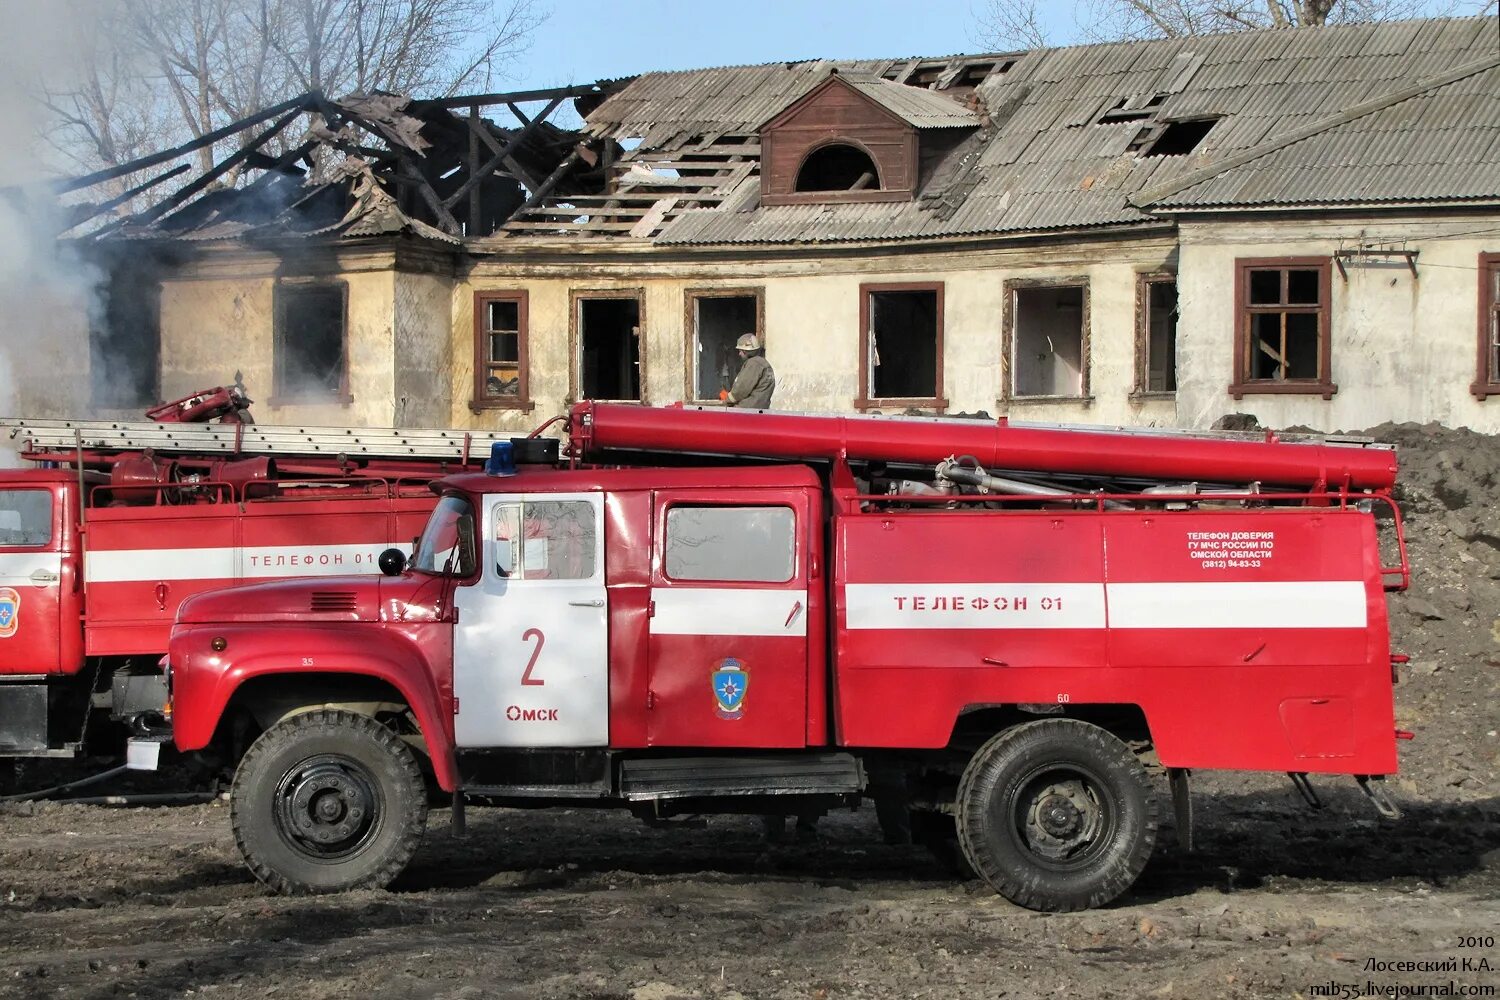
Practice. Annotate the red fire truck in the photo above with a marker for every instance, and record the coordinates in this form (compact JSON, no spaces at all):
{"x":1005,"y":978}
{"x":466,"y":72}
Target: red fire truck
{"x":119,"y":522}
{"x":998,"y":630}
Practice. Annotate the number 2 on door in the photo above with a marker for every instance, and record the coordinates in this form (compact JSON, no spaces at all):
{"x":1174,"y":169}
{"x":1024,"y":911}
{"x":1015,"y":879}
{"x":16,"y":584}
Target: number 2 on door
{"x":536,"y":653}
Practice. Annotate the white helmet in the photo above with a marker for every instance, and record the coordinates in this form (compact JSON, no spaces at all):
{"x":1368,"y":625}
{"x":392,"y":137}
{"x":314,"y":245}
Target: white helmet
{"x":747,"y":342}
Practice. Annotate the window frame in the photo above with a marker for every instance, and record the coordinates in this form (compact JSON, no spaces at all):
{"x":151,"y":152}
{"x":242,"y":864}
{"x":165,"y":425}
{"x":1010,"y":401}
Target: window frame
{"x":1143,"y":283}
{"x":576,"y":296}
{"x":1243,"y":385}
{"x":1487,"y":382}
{"x":480,"y":400}
{"x":690,"y":299}
{"x":279,"y":395}
{"x":1008,"y":312}
{"x":864,"y":401}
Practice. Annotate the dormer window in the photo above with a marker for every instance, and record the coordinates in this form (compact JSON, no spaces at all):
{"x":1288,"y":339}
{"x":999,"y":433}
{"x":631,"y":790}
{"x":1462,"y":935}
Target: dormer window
{"x":857,"y":138}
{"x":838,"y":166}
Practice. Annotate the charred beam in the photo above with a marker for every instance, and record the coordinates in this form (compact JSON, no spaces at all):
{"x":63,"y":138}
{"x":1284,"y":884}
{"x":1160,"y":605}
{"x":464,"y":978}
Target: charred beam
{"x":299,"y":102}
{"x":414,"y":177}
{"x":545,"y":188}
{"x":224,"y":166}
{"x":503,"y":155}
{"x":517,"y":97}
{"x":84,"y":213}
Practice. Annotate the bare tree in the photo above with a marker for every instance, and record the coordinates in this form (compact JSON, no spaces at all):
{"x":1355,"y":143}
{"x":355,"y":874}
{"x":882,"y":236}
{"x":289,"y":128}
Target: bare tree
{"x":1004,"y":24}
{"x":165,"y":71}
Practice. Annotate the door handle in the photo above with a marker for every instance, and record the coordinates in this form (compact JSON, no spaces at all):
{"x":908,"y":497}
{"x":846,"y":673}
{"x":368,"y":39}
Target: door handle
{"x":596,"y":603}
{"x":43,"y":576}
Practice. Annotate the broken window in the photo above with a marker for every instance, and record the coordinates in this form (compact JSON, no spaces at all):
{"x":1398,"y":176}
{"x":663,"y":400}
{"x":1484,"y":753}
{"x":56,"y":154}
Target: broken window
{"x":1158,"y":334}
{"x":125,"y":339}
{"x":1283,"y":331}
{"x":838,"y":167}
{"x":1488,"y":381}
{"x":311,"y":353}
{"x":1049,"y":340}
{"x":500,"y":369}
{"x":902,"y":335}
{"x":1180,"y":138}
{"x":717,"y":321}
{"x":609,"y":347}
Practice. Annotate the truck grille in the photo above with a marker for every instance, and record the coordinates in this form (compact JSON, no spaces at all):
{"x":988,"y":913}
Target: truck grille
{"x":332,"y":600}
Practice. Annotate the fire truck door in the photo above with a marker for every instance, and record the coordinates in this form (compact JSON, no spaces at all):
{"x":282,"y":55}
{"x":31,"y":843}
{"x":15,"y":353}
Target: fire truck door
{"x":529,"y":650}
{"x":30,"y":582}
{"x":31,"y":574}
{"x":729,"y":620}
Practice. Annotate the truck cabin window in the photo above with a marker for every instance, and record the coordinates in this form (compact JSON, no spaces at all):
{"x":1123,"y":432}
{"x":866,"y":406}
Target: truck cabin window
{"x":447,"y":545}
{"x":731,"y":544}
{"x":545,"y":540}
{"x":25,"y":518}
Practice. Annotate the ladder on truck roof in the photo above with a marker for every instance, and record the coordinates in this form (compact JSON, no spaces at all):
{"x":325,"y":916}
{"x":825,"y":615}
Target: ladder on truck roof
{"x":230,"y":440}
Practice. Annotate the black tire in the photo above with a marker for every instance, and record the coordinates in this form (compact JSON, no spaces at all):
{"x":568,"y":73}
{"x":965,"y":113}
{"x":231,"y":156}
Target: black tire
{"x":328,"y":801}
{"x":1056,"y":815}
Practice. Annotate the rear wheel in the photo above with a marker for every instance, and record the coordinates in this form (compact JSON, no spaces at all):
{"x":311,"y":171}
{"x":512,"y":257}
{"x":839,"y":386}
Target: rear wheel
{"x":1056,"y":815}
{"x":328,"y":801}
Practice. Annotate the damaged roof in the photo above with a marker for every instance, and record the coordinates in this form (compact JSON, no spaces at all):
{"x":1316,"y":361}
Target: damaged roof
{"x":1119,"y":135}
{"x":1080,"y":137}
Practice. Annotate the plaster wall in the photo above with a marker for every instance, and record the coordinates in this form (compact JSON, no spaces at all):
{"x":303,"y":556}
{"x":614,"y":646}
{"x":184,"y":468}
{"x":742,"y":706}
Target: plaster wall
{"x":424,"y":349}
{"x":812,"y":323}
{"x":1403,"y":346}
{"x":218,"y":317}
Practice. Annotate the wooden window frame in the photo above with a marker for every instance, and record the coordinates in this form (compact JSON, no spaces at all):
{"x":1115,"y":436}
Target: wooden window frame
{"x":482,"y":401}
{"x":1143,"y":283}
{"x":1487,"y":382}
{"x":575,"y":337}
{"x":864,"y":401}
{"x":343,"y":396}
{"x":690,"y":299}
{"x":1008,"y":339}
{"x":1243,"y":385}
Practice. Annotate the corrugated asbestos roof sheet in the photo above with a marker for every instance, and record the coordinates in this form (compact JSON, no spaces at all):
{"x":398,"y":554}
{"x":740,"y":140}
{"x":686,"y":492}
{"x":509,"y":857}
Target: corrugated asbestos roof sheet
{"x":917,"y":107}
{"x":1442,"y":144}
{"x":1069,"y":127}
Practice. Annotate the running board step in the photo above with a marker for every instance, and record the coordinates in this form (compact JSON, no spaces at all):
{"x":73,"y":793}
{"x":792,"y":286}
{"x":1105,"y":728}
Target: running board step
{"x":713,"y":777}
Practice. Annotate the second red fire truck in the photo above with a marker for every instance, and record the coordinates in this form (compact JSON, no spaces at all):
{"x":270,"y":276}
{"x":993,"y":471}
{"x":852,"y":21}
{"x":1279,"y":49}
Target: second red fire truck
{"x":115,"y":523}
{"x":997,"y":631}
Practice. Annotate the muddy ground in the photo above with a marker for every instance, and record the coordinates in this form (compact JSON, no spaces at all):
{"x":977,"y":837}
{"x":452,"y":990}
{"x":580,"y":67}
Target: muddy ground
{"x":155,"y":903}
{"x":1277,"y":901}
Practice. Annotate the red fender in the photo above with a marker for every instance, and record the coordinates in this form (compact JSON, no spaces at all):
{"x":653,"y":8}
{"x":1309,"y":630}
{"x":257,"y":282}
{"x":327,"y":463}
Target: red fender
{"x":204,"y":679}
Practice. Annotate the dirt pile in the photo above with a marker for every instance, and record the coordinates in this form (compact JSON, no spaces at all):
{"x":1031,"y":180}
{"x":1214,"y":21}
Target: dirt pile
{"x":1449,"y":620}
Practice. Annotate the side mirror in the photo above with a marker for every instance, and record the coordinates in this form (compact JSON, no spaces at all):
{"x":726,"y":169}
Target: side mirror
{"x":392,"y":562}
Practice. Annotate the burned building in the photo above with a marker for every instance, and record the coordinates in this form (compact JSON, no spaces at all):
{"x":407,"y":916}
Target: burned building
{"x":1299,"y":224}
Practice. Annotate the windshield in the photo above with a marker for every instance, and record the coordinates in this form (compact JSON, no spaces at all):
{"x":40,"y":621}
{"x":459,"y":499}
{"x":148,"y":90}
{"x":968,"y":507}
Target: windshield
{"x":449,"y":536}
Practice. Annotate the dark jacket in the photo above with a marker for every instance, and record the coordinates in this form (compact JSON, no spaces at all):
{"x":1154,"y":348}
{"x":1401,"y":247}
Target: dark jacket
{"x":753,"y":386}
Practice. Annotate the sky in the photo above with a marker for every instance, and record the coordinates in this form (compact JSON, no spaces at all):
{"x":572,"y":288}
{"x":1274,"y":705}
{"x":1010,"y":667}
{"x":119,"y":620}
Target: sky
{"x":586,"y":40}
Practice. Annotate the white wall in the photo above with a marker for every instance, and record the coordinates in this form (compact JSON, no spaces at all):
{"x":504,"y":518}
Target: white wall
{"x":1403,"y":346}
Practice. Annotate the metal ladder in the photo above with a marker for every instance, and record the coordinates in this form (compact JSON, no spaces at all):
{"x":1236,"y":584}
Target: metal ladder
{"x":251,"y":439}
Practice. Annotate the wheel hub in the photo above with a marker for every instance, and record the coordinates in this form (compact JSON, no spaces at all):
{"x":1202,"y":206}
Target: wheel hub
{"x":1061,"y":820}
{"x":326,"y":807}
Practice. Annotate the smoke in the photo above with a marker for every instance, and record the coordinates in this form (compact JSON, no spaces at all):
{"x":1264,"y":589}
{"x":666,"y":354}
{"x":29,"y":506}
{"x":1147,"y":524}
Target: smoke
{"x":47,"y":292}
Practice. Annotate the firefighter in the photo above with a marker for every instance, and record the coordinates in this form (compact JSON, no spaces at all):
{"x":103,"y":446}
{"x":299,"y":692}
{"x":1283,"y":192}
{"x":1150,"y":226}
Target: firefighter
{"x":756,"y":381}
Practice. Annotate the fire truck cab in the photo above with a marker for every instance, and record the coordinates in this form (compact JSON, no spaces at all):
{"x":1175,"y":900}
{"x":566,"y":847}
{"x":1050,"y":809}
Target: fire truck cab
{"x":999,"y":663}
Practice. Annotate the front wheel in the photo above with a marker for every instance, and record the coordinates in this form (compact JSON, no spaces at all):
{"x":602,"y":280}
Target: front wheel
{"x":328,"y":801}
{"x":1056,"y":815}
